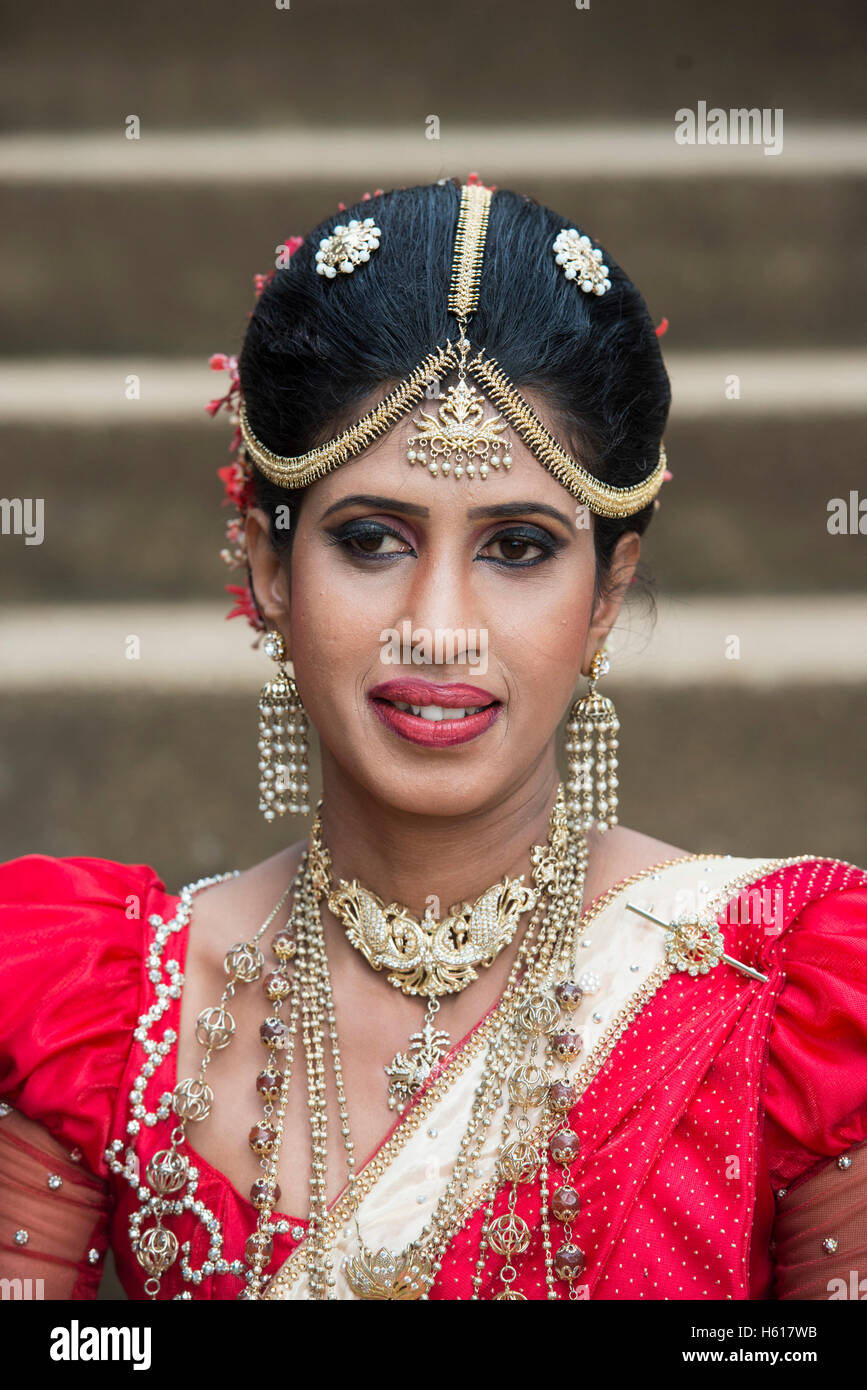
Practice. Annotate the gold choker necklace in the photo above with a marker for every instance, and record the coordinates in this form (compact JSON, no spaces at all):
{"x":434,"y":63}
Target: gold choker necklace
{"x":434,"y":956}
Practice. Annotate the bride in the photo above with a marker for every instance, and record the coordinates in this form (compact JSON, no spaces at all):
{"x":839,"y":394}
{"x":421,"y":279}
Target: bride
{"x":470,"y":1038}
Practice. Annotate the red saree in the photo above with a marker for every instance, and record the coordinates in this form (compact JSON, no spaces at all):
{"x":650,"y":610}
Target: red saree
{"x":720,"y":1092}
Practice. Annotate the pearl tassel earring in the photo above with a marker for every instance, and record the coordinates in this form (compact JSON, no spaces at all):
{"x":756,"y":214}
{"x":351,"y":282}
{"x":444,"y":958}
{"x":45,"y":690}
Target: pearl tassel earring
{"x":283,"y":747}
{"x":593,"y":721}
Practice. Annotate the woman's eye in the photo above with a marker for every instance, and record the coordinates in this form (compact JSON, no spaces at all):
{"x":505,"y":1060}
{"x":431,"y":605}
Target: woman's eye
{"x":520,"y":548}
{"x":371,"y":540}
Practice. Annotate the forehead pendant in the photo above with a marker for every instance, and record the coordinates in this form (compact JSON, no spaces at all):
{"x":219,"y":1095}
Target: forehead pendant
{"x":463,"y":438}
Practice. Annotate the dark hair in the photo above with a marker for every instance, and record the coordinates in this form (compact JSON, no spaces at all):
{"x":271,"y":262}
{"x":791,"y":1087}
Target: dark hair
{"x":315,"y":348}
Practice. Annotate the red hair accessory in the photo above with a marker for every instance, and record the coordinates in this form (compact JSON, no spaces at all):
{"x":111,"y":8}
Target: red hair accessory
{"x":237,"y":476}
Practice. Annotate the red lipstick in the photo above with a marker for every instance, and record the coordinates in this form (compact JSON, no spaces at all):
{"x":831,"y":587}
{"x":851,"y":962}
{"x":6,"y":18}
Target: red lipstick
{"x":433,"y":733}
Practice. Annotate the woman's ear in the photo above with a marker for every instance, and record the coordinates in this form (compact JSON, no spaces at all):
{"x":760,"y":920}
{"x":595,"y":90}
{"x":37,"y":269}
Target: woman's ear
{"x":269,"y":573}
{"x":623,"y":562}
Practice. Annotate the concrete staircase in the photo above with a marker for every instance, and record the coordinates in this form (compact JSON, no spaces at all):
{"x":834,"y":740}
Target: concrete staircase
{"x":137,"y":256}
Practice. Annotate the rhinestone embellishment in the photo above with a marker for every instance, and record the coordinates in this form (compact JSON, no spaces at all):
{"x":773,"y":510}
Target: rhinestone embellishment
{"x":347,"y":247}
{"x":581,"y":261}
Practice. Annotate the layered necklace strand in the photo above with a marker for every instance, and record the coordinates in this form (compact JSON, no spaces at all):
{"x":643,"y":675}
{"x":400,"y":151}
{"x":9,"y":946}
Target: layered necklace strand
{"x":527,"y":1011}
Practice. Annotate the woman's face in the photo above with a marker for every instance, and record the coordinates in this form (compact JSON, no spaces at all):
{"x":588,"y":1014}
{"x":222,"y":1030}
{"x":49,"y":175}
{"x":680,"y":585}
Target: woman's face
{"x":399,"y":582}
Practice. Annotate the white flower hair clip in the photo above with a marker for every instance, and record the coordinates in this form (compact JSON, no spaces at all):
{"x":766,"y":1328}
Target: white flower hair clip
{"x":347,"y":247}
{"x":581,"y":261}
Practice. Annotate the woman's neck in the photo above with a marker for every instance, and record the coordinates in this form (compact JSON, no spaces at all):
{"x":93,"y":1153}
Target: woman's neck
{"x":410,"y":857}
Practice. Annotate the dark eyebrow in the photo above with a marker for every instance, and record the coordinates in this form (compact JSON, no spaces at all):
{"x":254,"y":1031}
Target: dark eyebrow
{"x":396,"y":504}
{"x":388,"y":504}
{"x":506,"y":509}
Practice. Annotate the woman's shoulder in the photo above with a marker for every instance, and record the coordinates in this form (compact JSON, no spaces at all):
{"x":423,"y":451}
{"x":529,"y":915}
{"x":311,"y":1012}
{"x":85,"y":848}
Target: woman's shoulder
{"x":72,"y":941}
{"x":815,"y":1093}
{"x":35,"y":881}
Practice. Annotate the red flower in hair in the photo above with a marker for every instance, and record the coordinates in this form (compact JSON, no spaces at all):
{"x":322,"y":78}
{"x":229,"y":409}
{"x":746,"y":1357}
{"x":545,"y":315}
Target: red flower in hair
{"x":245,"y":606}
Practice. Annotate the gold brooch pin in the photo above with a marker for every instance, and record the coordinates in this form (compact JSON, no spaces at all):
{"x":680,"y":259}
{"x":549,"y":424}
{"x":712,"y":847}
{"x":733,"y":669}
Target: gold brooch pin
{"x":695,"y":946}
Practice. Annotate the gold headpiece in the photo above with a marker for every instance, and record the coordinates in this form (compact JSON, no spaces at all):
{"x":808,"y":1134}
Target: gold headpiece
{"x":462,"y":429}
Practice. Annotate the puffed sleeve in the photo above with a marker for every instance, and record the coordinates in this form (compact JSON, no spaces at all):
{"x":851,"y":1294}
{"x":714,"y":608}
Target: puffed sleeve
{"x":815,"y":1093}
{"x":71,"y":976}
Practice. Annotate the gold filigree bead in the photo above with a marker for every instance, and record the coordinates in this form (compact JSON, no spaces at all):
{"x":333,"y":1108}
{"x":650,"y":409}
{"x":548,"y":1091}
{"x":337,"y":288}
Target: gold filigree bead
{"x":509,"y":1234}
{"x":519,"y":1161}
{"x":539,"y":1013}
{"x":167,"y":1171}
{"x":245,"y":961}
{"x":215,"y":1027}
{"x":192,"y":1099}
{"x":528,"y":1085}
{"x":156,"y":1249}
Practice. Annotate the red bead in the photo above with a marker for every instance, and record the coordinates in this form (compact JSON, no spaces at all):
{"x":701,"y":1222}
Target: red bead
{"x":569,"y":1261}
{"x":565,"y":1146}
{"x":252,"y":1248}
{"x":259,"y":1193}
{"x":283,"y":946}
{"x":262,"y":1139}
{"x":562,"y":1097}
{"x":274,"y":1032}
{"x":565,"y":1204}
{"x":268,"y":1084}
{"x":568,"y":995}
{"x":567,"y":1046}
{"x":277,"y":987}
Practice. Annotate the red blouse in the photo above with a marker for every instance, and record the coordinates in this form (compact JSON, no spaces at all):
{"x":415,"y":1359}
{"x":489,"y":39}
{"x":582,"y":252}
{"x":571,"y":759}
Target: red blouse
{"x":76,"y":988}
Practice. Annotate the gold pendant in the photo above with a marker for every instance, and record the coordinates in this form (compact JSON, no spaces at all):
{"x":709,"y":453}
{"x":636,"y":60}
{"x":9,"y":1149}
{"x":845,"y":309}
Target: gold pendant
{"x":402,"y":1277}
{"x":428,"y":956}
{"x":409,"y":1070}
{"x":463,"y":439}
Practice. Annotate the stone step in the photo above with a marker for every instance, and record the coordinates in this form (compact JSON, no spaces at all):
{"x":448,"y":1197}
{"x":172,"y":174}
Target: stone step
{"x":754,"y":642}
{"x":133,"y":510}
{"x":169,"y":779}
{"x":340,"y":62}
{"x":163,"y":267}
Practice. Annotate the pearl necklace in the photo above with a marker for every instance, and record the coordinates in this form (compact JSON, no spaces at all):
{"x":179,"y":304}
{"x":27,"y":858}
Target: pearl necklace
{"x":526,"y":1011}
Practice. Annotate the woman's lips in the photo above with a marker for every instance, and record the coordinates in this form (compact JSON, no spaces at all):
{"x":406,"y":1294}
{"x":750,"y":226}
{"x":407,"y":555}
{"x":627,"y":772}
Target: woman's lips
{"x":424,"y":718}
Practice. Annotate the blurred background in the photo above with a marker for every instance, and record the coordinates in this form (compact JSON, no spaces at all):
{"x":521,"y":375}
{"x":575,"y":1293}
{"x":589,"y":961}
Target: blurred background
{"x":126,"y":258}
{"x":742,"y":704}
